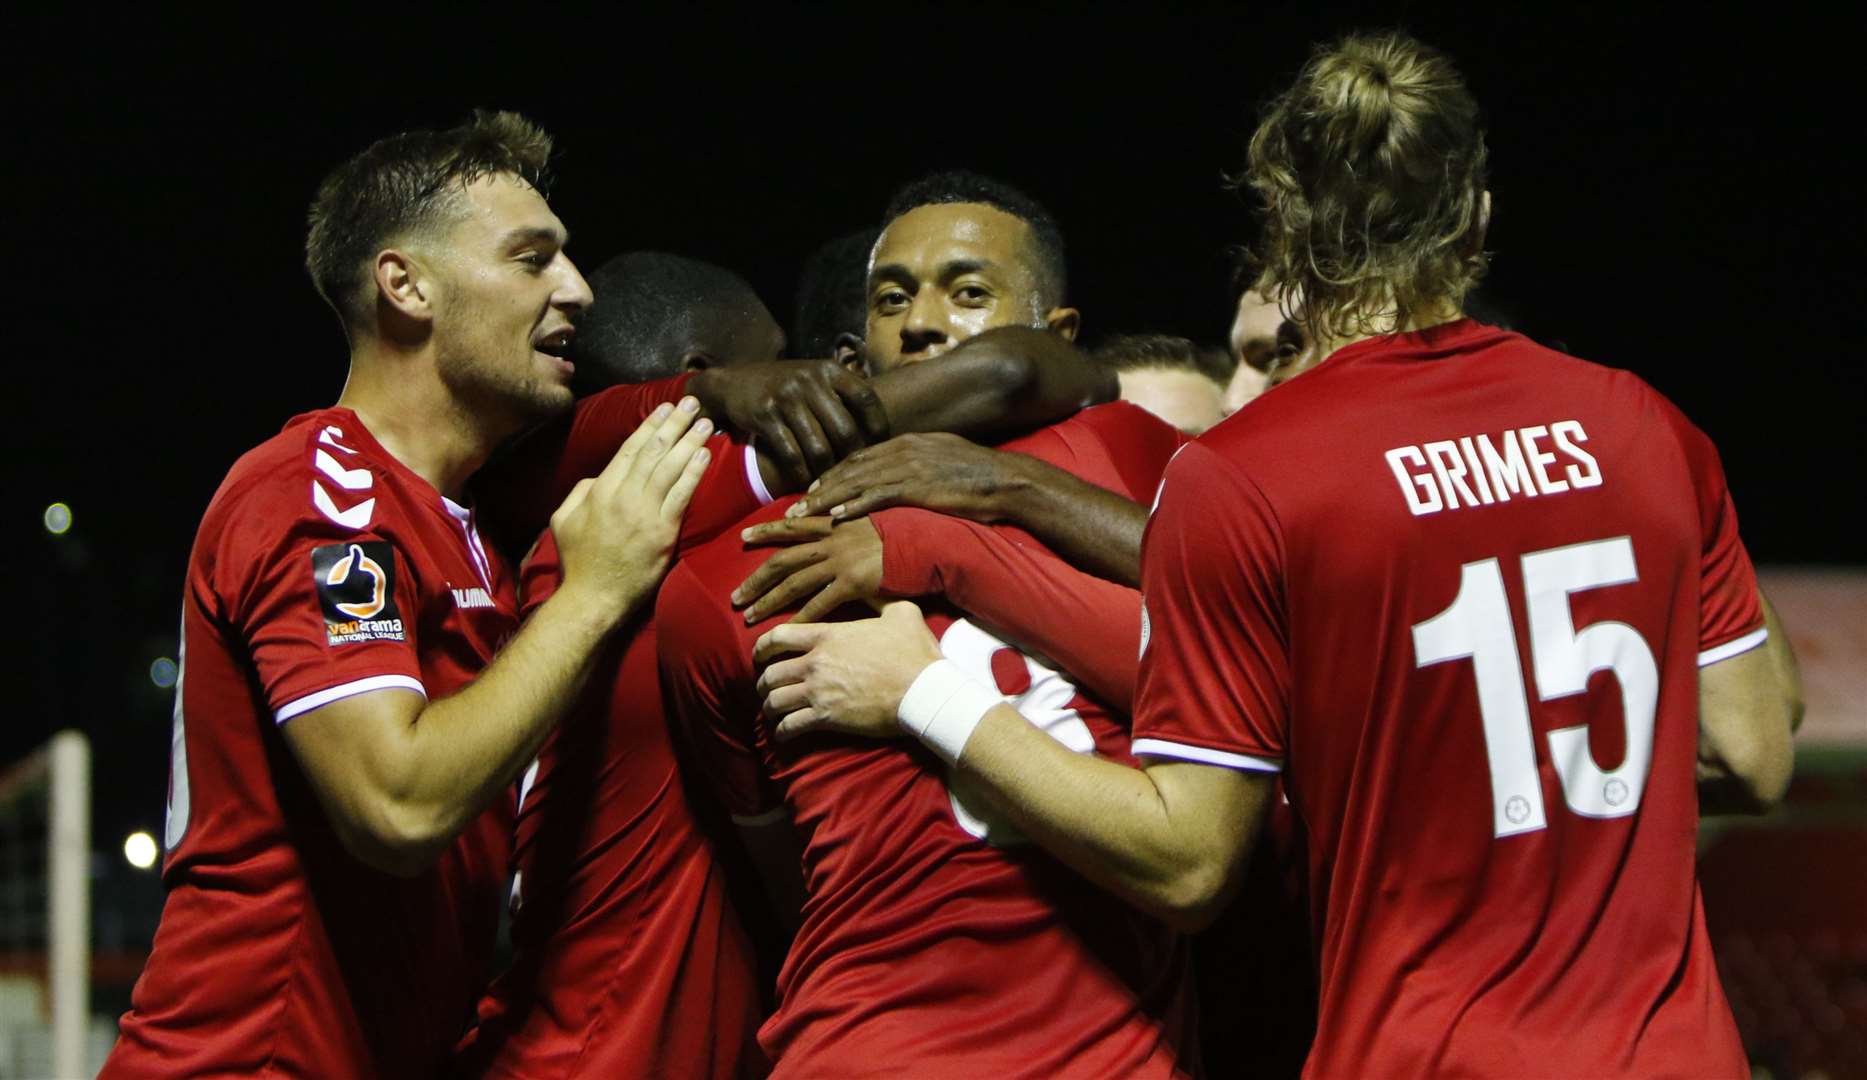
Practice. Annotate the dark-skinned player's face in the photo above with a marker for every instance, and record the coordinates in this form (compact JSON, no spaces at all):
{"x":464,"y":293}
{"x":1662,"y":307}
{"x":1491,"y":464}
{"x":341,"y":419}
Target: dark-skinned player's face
{"x":944,"y":273}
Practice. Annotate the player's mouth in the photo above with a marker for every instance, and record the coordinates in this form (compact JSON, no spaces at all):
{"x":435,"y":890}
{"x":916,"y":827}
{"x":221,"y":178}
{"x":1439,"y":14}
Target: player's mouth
{"x":556,"y":346}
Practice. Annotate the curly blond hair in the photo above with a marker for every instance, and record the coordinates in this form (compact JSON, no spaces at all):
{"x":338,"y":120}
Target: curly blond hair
{"x":1371,"y":173}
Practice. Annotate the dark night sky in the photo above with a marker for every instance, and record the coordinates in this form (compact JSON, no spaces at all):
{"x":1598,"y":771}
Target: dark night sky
{"x":1678,"y":199}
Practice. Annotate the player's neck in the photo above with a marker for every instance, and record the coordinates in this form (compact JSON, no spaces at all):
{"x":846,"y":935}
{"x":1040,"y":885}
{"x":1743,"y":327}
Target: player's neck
{"x":1437,"y":315}
{"x":407,"y":408}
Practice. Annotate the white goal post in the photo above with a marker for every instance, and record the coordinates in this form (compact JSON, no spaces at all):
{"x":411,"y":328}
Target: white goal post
{"x":59,"y":773}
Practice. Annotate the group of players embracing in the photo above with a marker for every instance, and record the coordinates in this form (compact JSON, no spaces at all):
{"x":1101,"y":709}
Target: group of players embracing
{"x":989,"y":683}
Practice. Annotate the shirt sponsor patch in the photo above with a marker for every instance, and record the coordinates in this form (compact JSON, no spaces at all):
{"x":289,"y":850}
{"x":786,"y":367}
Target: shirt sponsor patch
{"x":356,"y":590}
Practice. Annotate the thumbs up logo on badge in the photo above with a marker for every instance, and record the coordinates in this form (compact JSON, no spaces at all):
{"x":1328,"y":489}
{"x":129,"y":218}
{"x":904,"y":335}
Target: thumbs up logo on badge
{"x":355,"y":563}
{"x":356,"y":590}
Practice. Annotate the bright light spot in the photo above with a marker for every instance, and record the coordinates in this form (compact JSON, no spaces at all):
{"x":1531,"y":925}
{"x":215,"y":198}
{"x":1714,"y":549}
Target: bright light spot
{"x":140,"y":848}
{"x":58,"y":519}
{"x":162,"y":672}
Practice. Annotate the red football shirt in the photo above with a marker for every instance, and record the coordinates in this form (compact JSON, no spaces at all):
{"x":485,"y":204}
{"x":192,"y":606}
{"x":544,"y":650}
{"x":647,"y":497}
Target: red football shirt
{"x":935,"y":941}
{"x":1458,"y":586}
{"x":629,"y":958}
{"x":322,"y":568}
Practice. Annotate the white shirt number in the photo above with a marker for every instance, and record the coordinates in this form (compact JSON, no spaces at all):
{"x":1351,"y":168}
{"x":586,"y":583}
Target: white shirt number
{"x":1478,"y":627}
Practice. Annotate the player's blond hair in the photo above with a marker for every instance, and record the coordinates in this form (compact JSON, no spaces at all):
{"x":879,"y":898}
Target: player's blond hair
{"x":1371,"y":173}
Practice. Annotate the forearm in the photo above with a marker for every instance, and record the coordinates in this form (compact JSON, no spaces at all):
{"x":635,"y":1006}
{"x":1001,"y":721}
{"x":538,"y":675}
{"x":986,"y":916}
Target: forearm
{"x":1107,"y":821}
{"x":1002,"y":381}
{"x":1093,"y":528}
{"x":462,"y":751}
{"x":1020,"y":592}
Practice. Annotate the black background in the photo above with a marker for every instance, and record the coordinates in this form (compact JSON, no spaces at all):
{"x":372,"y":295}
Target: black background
{"x":1678,"y":197}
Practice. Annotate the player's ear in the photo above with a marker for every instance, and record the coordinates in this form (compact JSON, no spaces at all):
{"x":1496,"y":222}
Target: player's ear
{"x":405,"y":292}
{"x":696,"y":360}
{"x":848,"y":352}
{"x":1064,"y":322}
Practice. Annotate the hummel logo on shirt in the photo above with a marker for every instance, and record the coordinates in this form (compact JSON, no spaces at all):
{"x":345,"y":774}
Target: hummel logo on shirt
{"x":468,"y":598}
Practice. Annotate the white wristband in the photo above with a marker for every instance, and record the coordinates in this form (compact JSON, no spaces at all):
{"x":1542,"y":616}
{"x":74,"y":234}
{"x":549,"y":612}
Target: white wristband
{"x":943,"y":706}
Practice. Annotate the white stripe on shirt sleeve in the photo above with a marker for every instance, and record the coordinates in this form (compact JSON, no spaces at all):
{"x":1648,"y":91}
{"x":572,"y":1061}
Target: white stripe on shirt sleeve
{"x":755,"y":480}
{"x":1183,"y":752}
{"x":1731,"y":648}
{"x":350,"y":689}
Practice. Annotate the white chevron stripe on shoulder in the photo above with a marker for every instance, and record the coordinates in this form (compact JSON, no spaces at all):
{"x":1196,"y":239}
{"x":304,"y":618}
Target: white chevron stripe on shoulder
{"x":330,"y":435}
{"x":357,"y":517}
{"x":348,"y":479}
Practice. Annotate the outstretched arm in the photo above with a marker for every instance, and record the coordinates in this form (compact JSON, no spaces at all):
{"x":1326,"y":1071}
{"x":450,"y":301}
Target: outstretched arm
{"x":1171,"y":838}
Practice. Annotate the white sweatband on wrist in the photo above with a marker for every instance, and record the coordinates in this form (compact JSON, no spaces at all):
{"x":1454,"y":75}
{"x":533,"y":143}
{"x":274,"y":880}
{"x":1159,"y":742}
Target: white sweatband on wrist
{"x":944,"y":706}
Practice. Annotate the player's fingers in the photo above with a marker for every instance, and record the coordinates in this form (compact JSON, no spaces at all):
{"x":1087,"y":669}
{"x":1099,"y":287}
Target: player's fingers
{"x":802,"y":419}
{"x":675,"y":503}
{"x":828,"y":599}
{"x":782,"y":448}
{"x":864,"y":403}
{"x":790,"y":672}
{"x":643,"y":434}
{"x":673,"y":428}
{"x":781,"y":565}
{"x":844,"y":429}
{"x":787,"y":638}
{"x":785,"y":700}
{"x":575,"y":499}
{"x":868,"y":502}
{"x":658,"y":477}
{"x":840,"y":484}
{"x":790,"y":590}
{"x":786,"y":530}
{"x":801,"y":722}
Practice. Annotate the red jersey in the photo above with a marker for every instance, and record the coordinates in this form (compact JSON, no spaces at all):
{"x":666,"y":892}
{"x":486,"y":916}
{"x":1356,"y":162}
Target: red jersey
{"x":322,"y":568}
{"x":935,"y":941}
{"x":1458,"y":586}
{"x":629,"y":959}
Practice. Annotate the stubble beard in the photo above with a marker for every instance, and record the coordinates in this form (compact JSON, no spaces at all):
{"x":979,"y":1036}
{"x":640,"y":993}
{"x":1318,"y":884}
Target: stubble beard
{"x":505,"y":396}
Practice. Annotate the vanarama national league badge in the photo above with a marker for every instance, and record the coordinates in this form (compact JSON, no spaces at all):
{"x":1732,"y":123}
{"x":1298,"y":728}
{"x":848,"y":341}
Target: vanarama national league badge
{"x":356,"y":589}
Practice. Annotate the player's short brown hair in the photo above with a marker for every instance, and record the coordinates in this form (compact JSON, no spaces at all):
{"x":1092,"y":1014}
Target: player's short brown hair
{"x":1134,"y":352}
{"x":403,"y":184}
{"x":1371,"y":172}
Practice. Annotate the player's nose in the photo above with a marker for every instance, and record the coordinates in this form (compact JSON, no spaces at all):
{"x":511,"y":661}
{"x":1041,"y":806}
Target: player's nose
{"x":573,"y":292}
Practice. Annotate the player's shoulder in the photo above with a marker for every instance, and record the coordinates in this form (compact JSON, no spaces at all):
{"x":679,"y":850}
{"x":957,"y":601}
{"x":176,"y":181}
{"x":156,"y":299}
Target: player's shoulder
{"x":320,"y":472}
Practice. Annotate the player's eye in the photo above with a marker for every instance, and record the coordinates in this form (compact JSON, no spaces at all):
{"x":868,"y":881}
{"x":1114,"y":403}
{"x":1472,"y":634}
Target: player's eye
{"x":891,"y":300}
{"x":972,"y":294}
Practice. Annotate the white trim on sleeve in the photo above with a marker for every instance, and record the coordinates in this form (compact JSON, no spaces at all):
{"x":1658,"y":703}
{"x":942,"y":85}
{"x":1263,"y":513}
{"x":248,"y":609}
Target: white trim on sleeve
{"x":755,"y":481}
{"x":350,"y":689}
{"x":1731,"y":648}
{"x":1183,"y":752}
{"x":756,"y":821}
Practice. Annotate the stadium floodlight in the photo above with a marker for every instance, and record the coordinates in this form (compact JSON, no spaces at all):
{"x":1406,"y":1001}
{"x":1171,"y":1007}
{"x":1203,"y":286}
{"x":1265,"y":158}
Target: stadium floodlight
{"x":58,"y":519}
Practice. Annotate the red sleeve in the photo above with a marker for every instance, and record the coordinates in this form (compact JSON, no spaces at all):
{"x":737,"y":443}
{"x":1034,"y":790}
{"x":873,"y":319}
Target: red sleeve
{"x":327,"y":612}
{"x":1730,"y":611}
{"x":708,"y":686}
{"x":1088,"y":627}
{"x":1215,"y":664}
{"x":730,"y":490}
{"x":725,"y":495}
{"x":1138,"y":442}
{"x":518,"y":491}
